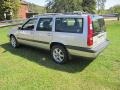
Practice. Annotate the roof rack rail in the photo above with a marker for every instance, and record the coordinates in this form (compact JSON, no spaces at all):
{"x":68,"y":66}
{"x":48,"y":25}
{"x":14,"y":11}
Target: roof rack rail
{"x":45,"y":14}
{"x":80,"y":12}
{"x":71,"y":13}
{"x":76,"y":12}
{"x":51,"y":13}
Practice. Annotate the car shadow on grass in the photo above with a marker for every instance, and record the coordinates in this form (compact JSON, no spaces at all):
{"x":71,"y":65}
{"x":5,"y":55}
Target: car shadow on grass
{"x":42,"y":57}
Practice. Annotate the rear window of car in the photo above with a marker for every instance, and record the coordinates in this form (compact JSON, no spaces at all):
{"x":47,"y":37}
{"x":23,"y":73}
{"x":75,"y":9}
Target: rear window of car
{"x":99,"y":25}
{"x":70,"y":25}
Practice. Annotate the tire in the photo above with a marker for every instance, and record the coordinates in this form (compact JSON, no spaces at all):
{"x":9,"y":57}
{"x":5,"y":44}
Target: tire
{"x":13,"y":42}
{"x":59,"y":54}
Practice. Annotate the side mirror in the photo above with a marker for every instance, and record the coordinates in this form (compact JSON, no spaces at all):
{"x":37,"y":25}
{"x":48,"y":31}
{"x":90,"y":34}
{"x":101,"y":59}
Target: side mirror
{"x":19,"y":28}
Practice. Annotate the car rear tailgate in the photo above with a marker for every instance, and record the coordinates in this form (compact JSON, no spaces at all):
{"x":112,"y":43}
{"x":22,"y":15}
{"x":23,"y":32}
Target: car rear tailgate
{"x":100,"y":47}
{"x":99,"y":29}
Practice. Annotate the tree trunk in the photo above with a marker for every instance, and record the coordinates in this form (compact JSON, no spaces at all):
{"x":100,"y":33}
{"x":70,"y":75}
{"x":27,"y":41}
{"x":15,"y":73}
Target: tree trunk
{"x":118,"y":17}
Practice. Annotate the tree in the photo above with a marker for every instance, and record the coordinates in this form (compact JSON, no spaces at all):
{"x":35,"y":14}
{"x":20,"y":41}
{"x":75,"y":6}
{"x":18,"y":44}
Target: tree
{"x":116,"y":9}
{"x":101,"y":6}
{"x":89,"y":6}
{"x":36,"y":8}
{"x":1,"y":10}
{"x":63,"y":5}
{"x":9,"y":8}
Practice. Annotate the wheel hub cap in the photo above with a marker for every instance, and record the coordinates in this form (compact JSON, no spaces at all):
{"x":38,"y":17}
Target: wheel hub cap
{"x":58,"y":55}
{"x":13,"y":42}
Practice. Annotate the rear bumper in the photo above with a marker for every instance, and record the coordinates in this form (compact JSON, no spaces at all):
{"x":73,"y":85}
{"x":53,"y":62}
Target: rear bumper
{"x":90,"y":53}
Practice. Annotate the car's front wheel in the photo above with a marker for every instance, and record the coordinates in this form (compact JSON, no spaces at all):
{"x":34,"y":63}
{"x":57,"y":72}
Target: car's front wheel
{"x":14,"y":42}
{"x":59,"y":54}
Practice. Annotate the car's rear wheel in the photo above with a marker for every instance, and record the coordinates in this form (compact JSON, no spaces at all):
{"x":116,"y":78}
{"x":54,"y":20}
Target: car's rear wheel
{"x":59,"y":54}
{"x":14,"y":42}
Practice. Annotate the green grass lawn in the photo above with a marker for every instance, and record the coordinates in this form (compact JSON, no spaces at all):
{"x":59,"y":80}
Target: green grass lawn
{"x":28,"y":68}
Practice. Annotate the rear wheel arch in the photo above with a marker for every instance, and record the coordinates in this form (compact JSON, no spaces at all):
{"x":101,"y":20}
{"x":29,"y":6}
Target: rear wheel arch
{"x":57,"y":43}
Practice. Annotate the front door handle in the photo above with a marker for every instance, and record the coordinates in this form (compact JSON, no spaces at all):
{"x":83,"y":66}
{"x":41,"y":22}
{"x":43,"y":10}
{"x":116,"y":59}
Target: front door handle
{"x":31,"y":32}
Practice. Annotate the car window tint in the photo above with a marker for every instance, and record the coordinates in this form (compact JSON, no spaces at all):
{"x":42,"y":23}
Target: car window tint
{"x":30,"y":24}
{"x":70,"y":25}
{"x":45,"y":24}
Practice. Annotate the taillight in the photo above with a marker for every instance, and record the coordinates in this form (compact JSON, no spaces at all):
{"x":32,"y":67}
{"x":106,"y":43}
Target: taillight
{"x":90,"y":32}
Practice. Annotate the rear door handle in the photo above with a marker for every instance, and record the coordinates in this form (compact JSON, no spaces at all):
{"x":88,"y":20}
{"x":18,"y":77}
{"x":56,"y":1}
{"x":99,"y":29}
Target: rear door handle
{"x":49,"y":34}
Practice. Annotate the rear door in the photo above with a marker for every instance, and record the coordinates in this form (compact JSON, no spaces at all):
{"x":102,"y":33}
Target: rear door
{"x":69,"y":31}
{"x":99,"y":30}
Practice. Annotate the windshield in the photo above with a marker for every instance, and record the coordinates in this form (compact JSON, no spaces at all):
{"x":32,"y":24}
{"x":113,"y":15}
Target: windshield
{"x":99,"y":25}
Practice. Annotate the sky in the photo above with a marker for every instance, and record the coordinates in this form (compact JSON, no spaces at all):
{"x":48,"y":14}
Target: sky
{"x":108,"y":4}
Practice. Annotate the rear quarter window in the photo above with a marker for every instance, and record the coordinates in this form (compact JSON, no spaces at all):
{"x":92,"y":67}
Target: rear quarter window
{"x":99,"y":25}
{"x":70,"y":25}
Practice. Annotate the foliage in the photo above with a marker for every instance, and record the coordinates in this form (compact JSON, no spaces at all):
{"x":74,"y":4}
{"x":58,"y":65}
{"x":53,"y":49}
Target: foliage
{"x":8,"y":6}
{"x":15,"y":7}
{"x":115,"y":9}
{"x":2,"y":10}
{"x":101,"y":6}
{"x":71,"y":5}
{"x":63,"y":5}
{"x":35,"y":8}
{"x":89,"y":6}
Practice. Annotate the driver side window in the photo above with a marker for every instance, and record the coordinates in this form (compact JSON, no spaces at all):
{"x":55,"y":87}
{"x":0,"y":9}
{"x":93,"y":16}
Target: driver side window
{"x":30,"y":24}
